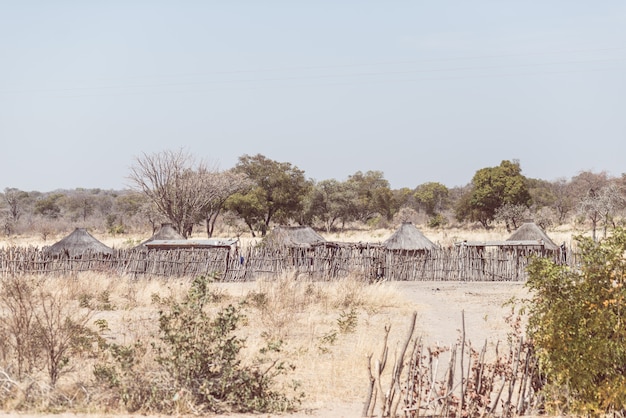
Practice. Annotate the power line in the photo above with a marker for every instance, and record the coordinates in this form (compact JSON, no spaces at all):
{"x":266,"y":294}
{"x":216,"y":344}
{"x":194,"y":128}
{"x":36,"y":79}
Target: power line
{"x":230,"y":82}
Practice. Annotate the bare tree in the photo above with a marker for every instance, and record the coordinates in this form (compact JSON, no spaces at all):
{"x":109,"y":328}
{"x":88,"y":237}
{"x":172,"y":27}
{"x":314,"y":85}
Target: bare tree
{"x":564,"y":201}
{"x":600,"y":206}
{"x":224,"y":184}
{"x":14,"y":199}
{"x":181,"y":188}
{"x":512,"y":215}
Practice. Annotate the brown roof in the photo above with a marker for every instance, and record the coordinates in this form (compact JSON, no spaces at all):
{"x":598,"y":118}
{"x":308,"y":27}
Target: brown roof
{"x":408,"y":238}
{"x":530,"y":231}
{"x":165,"y":232}
{"x":77,"y":243}
{"x":293,"y":236}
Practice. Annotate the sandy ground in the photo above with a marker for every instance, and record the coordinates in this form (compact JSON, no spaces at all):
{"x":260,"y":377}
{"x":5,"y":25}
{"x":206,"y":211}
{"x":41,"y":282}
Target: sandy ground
{"x":440,"y":307}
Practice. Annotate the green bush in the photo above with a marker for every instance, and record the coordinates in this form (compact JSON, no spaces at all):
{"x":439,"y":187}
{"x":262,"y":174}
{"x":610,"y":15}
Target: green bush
{"x":199,"y":365}
{"x":577,"y":324}
{"x":437,"y":221}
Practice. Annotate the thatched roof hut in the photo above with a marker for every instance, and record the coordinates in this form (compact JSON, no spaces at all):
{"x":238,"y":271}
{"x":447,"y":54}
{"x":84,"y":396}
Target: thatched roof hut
{"x":293,"y":237}
{"x":78,"y":243}
{"x":408,"y":238}
{"x":530,"y":231}
{"x":165,"y":233}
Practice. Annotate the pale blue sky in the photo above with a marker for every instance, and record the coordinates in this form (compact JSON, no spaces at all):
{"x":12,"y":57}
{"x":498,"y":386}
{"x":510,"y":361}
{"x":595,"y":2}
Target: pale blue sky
{"x":420,"y":90}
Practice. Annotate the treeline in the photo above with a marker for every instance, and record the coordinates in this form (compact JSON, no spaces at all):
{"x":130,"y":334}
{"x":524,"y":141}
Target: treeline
{"x":174,"y":186}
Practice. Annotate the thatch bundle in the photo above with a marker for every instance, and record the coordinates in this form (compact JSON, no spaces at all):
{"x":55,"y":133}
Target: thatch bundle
{"x":78,"y":243}
{"x":408,"y":238}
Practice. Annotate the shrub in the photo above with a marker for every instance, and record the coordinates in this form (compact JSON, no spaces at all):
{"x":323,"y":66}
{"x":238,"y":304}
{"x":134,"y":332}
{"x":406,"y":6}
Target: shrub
{"x":199,"y":365}
{"x":437,"y":221}
{"x":576,"y":321}
{"x":40,"y":329}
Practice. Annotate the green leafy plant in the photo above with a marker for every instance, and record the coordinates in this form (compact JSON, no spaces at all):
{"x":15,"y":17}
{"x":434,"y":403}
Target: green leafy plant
{"x":197,"y":363}
{"x":576,"y":322}
{"x":347,"y":321}
{"x":437,"y":221}
{"x":326,"y":341}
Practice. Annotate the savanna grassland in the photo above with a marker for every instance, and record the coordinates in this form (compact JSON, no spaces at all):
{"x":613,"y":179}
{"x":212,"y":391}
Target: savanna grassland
{"x":324,"y":334}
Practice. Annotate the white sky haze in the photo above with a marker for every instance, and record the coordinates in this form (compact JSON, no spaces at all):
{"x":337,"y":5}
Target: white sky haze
{"x":420,"y":90}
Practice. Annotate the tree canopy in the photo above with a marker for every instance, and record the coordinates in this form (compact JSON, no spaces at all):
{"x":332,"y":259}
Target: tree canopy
{"x":493,"y":187}
{"x":277,"y":192}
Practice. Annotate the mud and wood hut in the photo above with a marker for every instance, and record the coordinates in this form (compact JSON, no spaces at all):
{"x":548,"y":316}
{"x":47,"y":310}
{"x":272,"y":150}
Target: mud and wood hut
{"x":293,"y":237}
{"x":407,"y":239}
{"x":531,"y":239}
{"x":404,"y":248}
{"x":165,"y":232}
{"x":76,"y":244}
{"x":531,"y":236}
{"x":295,"y":245}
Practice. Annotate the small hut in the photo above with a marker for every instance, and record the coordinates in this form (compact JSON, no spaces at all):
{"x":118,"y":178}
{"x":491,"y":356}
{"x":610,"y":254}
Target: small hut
{"x":409,"y":239}
{"x":165,"y":233}
{"x":293,"y":237}
{"x":531,"y":235}
{"x":76,"y":244}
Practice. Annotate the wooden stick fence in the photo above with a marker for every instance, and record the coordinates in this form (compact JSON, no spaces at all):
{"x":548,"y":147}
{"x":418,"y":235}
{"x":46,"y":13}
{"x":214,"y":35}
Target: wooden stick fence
{"x":424,"y":383}
{"x":320,"y":263}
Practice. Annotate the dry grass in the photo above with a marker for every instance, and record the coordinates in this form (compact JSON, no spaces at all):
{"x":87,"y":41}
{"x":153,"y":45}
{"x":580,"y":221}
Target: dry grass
{"x":313,"y":319}
{"x":327,"y":329}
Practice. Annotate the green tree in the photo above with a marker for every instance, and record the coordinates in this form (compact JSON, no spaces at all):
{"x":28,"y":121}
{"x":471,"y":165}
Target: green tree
{"x":564,"y":201}
{"x":277,"y":193}
{"x":80,"y":204}
{"x":331,"y":201}
{"x":576,"y":323}
{"x":404,"y":198}
{"x":492,"y":187}
{"x":544,"y":198}
{"x":49,"y":206}
{"x":432,"y":197}
{"x":373,"y":196}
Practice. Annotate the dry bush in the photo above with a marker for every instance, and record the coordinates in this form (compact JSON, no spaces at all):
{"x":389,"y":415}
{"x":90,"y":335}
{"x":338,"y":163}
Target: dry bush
{"x":193,"y":358}
{"x":456,"y":381}
{"x":46,"y":336}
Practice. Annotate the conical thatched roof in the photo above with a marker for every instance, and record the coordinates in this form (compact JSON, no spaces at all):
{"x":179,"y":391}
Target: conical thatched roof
{"x":165,"y":233}
{"x":77,"y":243}
{"x":293,"y":236}
{"x":408,"y":238}
{"x":530,"y":231}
